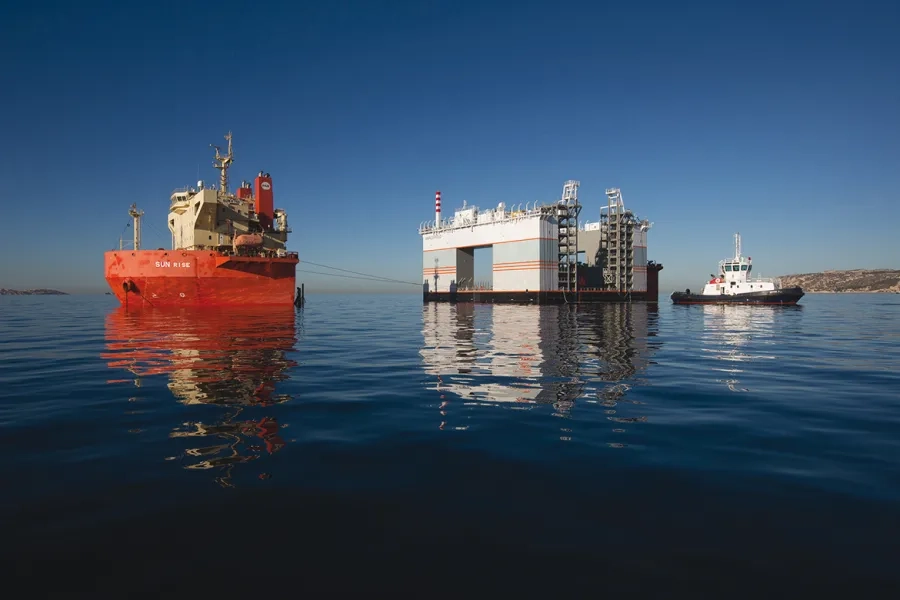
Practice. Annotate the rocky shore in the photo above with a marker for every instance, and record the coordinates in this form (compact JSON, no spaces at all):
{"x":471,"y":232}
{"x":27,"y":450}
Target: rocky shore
{"x":854,"y":280}
{"x":37,"y":292}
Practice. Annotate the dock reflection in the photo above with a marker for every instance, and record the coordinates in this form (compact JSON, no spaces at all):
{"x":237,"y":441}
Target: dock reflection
{"x":231,"y":358}
{"x":520,"y":357}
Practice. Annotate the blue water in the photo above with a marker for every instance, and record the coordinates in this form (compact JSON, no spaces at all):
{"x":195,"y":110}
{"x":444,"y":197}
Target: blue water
{"x":369,"y":443}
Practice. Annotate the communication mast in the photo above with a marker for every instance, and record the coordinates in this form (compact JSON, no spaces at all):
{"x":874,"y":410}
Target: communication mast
{"x":222,"y":163}
{"x":435,"y":274}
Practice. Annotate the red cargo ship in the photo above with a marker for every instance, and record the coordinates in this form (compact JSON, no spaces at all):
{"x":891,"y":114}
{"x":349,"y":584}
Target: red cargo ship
{"x":227,"y":249}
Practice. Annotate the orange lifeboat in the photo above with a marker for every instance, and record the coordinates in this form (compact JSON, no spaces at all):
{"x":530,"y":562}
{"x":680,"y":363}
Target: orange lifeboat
{"x":248,"y":240}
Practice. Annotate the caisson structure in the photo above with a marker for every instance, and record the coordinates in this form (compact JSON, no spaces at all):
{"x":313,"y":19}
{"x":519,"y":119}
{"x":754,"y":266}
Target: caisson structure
{"x":541,"y":253}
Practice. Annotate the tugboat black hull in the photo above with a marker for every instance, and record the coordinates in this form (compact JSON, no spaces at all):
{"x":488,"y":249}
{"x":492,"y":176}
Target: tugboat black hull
{"x":785,"y":296}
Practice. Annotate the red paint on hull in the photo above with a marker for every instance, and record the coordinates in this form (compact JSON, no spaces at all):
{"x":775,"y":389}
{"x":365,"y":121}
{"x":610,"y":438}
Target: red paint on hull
{"x":199,"y":278}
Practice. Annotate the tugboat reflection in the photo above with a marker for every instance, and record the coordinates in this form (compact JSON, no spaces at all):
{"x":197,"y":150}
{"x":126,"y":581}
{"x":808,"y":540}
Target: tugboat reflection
{"x":733,"y":331}
{"x":231,"y":358}
{"x":523,"y":356}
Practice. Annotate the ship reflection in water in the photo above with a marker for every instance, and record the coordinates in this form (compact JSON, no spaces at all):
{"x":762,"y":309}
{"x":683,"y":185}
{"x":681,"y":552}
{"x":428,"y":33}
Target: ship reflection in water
{"x":522,"y":357}
{"x":230,"y":358}
{"x":729,"y":331}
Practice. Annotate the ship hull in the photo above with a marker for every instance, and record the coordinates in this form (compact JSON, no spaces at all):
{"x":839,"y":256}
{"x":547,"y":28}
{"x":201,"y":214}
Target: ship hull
{"x":784,"y":296}
{"x":199,"y":278}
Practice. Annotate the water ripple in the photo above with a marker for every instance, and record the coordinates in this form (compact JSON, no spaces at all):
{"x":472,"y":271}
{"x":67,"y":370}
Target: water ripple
{"x":785,"y":391}
{"x":477,"y":413}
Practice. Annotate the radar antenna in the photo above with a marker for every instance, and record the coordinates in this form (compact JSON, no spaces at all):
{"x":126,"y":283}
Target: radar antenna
{"x":222,"y":163}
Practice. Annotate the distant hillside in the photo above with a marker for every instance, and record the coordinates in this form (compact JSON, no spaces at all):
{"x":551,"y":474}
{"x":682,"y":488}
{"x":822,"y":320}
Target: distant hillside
{"x":855,"y":280}
{"x":39,"y":292}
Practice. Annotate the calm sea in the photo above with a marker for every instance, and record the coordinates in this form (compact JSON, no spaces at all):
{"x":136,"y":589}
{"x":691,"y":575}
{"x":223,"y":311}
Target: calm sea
{"x":366,"y":444}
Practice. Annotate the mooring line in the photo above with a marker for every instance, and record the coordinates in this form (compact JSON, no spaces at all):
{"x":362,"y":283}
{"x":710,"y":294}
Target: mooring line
{"x":364,"y":275}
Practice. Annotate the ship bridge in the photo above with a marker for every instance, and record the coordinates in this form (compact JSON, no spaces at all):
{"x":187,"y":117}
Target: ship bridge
{"x":209,"y":217}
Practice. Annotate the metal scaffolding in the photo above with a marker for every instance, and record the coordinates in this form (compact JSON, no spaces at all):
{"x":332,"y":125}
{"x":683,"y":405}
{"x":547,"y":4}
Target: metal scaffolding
{"x":617,"y":242}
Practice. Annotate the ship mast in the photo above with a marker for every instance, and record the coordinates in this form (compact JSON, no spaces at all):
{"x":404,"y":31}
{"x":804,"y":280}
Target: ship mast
{"x":136,"y":215}
{"x":737,"y":246}
{"x":222,"y":163}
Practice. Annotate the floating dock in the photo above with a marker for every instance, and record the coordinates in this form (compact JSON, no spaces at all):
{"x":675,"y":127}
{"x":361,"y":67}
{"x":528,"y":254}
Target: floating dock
{"x":541,"y":253}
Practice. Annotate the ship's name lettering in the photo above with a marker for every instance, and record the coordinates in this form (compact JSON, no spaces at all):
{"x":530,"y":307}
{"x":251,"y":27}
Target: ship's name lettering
{"x":167,"y":263}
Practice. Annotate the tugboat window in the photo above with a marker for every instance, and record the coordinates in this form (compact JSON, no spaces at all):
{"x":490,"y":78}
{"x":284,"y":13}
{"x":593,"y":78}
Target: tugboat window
{"x":743,"y":267}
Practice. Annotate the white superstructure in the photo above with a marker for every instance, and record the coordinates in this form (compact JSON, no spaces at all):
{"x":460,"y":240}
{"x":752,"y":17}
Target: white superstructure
{"x":734,"y":276}
{"x":524,"y":239}
{"x":207,"y":218}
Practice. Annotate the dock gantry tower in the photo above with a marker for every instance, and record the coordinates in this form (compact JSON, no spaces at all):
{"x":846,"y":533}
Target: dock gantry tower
{"x":615,"y":242}
{"x":222,"y":163}
{"x":567,"y":218}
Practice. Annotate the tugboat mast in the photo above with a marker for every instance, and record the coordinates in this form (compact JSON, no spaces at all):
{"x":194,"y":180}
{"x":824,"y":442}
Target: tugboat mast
{"x":222,"y":163}
{"x":737,"y":246}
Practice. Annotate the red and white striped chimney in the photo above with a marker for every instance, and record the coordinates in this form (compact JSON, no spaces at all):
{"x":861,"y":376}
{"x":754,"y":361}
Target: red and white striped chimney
{"x":437,"y":208}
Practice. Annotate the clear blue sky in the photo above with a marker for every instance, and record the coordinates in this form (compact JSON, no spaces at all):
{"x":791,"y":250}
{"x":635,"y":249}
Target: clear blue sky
{"x":778,"y":120}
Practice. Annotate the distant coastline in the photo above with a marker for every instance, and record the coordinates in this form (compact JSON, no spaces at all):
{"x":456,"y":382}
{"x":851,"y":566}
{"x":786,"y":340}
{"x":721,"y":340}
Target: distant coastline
{"x":852,"y":281}
{"x":37,"y":292}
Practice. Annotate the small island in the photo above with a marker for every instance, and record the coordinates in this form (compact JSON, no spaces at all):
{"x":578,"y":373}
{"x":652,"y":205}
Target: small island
{"x":37,"y":292}
{"x":858,"y":281}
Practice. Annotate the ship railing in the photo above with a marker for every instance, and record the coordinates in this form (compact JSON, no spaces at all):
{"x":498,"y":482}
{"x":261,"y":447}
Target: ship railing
{"x":474,"y":286}
{"x":485,"y":218}
{"x":776,"y":281}
{"x":183,"y":190}
{"x":229,"y":251}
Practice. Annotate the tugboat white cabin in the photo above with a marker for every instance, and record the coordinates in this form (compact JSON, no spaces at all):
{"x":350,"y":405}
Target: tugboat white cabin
{"x":734,"y":275}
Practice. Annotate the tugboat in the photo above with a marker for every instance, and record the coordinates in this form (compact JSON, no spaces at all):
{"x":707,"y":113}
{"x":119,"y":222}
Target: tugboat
{"x":734,"y":286}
